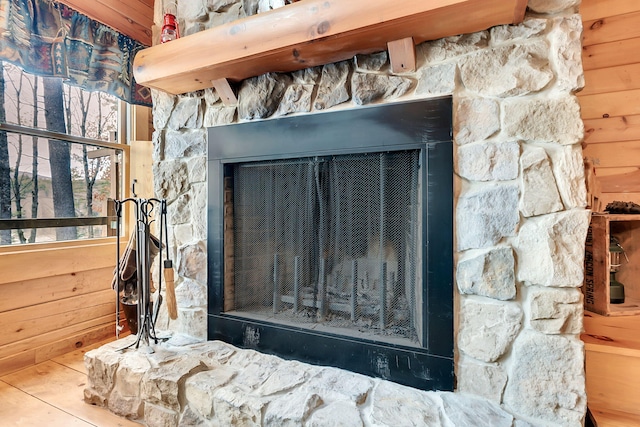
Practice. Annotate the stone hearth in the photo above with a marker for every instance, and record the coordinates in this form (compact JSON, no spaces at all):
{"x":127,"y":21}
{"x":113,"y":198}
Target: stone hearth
{"x":215,"y":384}
{"x":520,"y":224}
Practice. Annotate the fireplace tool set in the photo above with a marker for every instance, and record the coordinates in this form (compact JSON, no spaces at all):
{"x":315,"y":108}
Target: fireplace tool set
{"x":132,"y":281}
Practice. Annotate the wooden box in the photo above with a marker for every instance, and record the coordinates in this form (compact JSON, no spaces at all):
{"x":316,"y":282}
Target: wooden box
{"x":626,"y":228}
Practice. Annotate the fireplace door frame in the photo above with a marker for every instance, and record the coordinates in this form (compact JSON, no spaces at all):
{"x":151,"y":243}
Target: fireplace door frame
{"x":424,"y":125}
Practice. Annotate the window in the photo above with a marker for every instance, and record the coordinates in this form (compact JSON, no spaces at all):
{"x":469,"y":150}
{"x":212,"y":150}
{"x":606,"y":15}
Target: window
{"x":59,"y":161}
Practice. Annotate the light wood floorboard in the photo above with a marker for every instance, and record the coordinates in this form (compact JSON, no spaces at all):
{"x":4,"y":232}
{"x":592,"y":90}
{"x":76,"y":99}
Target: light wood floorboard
{"x":51,"y":394}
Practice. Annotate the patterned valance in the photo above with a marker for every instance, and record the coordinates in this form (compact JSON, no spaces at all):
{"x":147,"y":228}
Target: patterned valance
{"x":50,"y":39}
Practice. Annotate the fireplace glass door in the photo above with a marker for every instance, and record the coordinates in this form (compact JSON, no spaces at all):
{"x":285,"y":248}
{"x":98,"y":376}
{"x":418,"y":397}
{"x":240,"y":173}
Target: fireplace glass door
{"x":330,"y":243}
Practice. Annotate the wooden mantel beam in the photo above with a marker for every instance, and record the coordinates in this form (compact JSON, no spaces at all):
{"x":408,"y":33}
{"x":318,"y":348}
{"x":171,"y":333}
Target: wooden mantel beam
{"x":310,"y":33}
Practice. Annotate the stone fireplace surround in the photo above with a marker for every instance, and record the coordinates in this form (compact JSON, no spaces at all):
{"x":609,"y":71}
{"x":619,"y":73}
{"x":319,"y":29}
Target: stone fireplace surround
{"x":520,"y":223}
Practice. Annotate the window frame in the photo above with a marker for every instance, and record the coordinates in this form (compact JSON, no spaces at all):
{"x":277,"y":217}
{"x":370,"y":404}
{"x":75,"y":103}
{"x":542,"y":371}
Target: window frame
{"x":126,"y":116}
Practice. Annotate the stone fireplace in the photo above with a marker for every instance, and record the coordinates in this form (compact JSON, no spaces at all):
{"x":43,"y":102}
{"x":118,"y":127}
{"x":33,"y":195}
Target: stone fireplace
{"x":519,"y":220}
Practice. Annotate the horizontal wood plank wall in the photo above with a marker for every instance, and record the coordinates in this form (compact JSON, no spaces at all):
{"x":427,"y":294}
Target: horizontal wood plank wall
{"x":54,"y":300}
{"x":610,"y":101}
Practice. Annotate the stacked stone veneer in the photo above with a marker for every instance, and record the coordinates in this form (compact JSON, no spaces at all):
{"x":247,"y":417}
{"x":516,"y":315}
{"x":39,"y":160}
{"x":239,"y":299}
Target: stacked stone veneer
{"x":520,"y":228}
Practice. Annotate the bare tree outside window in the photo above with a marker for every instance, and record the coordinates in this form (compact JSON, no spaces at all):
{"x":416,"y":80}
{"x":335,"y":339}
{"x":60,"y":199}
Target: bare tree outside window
{"x":5,"y":177}
{"x":53,"y":178}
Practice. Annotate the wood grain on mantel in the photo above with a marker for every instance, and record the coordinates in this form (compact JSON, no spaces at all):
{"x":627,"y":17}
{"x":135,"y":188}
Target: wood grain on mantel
{"x":310,"y":33}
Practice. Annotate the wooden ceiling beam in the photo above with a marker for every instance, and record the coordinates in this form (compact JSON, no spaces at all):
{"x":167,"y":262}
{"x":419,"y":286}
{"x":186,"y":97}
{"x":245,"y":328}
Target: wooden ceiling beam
{"x":310,"y":33}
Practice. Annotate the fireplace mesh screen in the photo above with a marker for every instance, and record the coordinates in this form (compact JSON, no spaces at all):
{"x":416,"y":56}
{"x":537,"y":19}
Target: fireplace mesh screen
{"x":331,"y":243}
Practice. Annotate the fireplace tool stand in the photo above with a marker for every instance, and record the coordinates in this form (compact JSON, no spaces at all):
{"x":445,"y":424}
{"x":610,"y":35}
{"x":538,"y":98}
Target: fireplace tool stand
{"x":146,"y":210}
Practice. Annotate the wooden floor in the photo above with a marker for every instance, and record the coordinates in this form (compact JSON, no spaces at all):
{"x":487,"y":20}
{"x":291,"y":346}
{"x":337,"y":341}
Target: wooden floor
{"x":51,"y":394}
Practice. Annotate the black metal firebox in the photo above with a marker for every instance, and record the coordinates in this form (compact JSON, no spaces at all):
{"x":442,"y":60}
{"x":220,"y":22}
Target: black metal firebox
{"x":330,"y":239}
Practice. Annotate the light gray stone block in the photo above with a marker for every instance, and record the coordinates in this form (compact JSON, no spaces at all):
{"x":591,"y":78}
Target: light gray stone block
{"x":511,"y":70}
{"x":466,"y":411}
{"x":437,"y":80}
{"x":191,"y":294}
{"x":481,"y":379}
{"x":476,"y":119}
{"x":179,"y":212}
{"x":296,"y":99}
{"x":200,"y":388}
{"x":550,"y":249}
{"x":293,"y":409}
{"x":539,"y":191}
{"x":170,"y":179}
{"x":485,"y":215}
{"x":555,"y":120}
{"x":491,"y":274}
{"x":435,"y":51}
{"x":197,"y":167}
{"x":236,"y":406}
{"x":566,"y":49}
{"x":369,"y":88}
{"x":400,"y":406}
{"x":372,"y":62}
{"x":487,"y":329}
{"x":332,"y":384}
{"x":336,"y":414}
{"x":547,"y":383}
{"x":259,"y":97}
{"x":187,"y":113}
{"x":332,"y":89}
{"x":192,"y":262}
{"x":528,"y":29}
{"x":556,"y":311}
{"x":568,"y":168}
{"x":156,"y":415}
{"x":489,"y":161}
{"x":160,"y":385}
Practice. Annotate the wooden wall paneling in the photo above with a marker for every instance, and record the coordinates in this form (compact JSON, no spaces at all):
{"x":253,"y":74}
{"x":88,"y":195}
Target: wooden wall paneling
{"x":612,"y":347}
{"x":616,"y":171}
{"x":610,"y":54}
{"x":609,"y":385}
{"x":56,"y":348}
{"x":55,"y":336}
{"x":627,"y":197}
{"x":141,"y":165}
{"x":612,"y":79}
{"x":38,"y":319}
{"x":104,"y":329}
{"x":141,"y":120}
{"x":614,"y":154}
{"x":621,"y":183}
{"x":611,"y":104}
{"x":37,"y":291}
{"x":619,"y":27}
{"x":55,"y":245}
{"x":57,"y":261}
{"x":623,"y":128}
{"x":17,"y":361}
{"x":596,"y":9}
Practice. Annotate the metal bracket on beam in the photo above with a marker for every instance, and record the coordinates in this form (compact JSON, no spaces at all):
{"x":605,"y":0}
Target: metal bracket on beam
{"x":402,"y":54}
